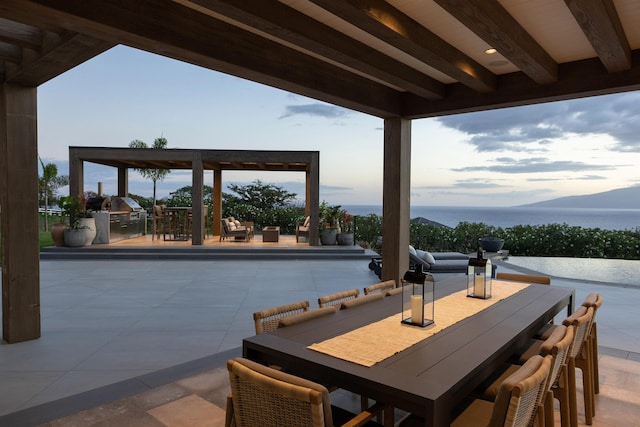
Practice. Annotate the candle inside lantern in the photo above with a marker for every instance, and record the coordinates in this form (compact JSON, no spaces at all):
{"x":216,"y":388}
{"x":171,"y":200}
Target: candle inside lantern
{"x":478,"y":289}
{"x":416,"y":309}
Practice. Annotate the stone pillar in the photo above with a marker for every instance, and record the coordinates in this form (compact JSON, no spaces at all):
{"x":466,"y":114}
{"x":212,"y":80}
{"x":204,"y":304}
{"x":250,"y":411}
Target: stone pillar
{"x":396,"y":198}
{"x":19,"y":213}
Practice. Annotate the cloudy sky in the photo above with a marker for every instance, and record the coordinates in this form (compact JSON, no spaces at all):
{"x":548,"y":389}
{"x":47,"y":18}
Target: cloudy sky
{"x":496,"y":158}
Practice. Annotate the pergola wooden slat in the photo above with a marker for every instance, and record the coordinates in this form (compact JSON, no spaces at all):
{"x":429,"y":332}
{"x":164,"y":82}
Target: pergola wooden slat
{"x":198,"y":161}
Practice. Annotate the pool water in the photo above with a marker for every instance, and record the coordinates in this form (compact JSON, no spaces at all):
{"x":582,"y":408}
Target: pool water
{"x":619,"y":271}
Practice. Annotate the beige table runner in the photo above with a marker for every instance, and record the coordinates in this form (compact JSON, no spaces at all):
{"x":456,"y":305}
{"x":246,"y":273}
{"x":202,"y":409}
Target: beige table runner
{"x":373,"y":343}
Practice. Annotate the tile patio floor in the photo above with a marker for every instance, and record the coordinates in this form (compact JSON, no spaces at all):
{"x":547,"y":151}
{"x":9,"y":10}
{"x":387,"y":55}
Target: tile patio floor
{"x":143,"y":343}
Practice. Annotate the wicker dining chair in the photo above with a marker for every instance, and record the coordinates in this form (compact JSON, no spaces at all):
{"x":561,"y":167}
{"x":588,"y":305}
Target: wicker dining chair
{"x":266,"y":397}
{"x":362,"y":300}
{"x":517,"y":401}
{"x":306,"y":315}
{"x":557,"y":345}
{"x":267,"y":320}
{"x":526,"y":278}
{"x":594,"y":300}
{"x":338,"y":298}
{"x":580,"y":358}
{"x":388,"y":287}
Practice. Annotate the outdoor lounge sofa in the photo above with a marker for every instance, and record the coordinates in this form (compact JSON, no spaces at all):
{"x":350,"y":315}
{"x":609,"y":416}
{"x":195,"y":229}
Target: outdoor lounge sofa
{"x":231,"y":228}
{"x":433,"y":262}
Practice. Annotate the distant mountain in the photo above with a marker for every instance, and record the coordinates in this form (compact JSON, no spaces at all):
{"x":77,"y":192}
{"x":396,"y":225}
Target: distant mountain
{"x":622,"y":198}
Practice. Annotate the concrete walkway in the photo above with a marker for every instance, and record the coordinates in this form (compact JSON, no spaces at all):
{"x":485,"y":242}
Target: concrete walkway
{"x":105,"y":322}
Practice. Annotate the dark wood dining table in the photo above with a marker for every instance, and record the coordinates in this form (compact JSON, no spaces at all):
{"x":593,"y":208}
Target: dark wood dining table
{"x":431,"y":377}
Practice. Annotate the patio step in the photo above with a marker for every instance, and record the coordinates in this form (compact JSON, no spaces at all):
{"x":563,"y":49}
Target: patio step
{"x":204,"y":254}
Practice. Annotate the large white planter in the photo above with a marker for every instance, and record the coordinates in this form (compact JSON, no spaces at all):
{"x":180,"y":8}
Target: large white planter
{"x":91,"y":230}
{"x":83,"y":236}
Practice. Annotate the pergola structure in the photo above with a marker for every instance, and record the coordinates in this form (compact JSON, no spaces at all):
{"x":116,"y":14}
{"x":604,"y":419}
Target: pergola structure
{"x":397,"y":59}
{"x":198,"y":161}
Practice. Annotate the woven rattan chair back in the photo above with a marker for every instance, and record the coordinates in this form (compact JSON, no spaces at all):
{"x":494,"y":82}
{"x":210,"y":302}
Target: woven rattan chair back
{"x":338,"y":298}
{"x":382,"y":287}
{"x":266,"y":397}
{"x":520,"y":394}
{"x":267,"y":320}
{"x":559,"y":346}
{"x":581,"y":320}
{"x":305,"y":316}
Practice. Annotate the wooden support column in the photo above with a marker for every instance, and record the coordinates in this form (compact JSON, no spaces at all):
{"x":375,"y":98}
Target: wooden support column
{"x":197,"y":199}
{"x":217,"y":202}
{"x":313,"y":199}
{"x":19,"y":213}
{"x":76,"y":173}
{"x":123,"y":182}
{"x":396,"y":198}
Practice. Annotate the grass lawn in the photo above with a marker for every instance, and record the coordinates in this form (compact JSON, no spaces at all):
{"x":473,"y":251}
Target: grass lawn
{"x":45,"y":239}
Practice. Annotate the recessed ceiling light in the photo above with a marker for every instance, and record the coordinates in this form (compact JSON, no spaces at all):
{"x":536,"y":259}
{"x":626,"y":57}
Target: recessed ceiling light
{"x":491,"y":51}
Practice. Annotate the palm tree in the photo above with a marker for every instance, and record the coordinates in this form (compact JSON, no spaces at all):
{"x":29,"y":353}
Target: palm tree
{"x":48,"y":185}
{"x":155,"y":175}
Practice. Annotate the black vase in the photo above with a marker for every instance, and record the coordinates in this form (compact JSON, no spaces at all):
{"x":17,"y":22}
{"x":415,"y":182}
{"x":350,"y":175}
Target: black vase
{"x":491,"y":244}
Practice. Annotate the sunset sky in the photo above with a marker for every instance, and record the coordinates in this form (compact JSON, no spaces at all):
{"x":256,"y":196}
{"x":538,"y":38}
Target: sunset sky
{"x":497,"y":158}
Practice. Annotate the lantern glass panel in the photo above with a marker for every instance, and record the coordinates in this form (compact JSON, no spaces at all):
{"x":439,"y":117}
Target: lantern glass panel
{"x":417,"y":302}
{"x":479,"y":278}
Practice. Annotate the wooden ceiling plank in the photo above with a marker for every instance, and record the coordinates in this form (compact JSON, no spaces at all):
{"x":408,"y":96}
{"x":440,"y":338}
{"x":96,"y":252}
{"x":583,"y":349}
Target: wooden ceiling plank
{"x":143,"y":24}
{"x":601,"y":24}
{"x":490,"y":21}
{"x":10,"y":53}
{"x":285,"y":23}
{"x":576,"y":79}
{"x":387,"y":23}
{"x":20,"y":34}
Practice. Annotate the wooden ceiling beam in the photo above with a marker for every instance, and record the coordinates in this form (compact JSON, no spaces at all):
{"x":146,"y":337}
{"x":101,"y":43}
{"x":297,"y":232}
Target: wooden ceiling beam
{"x":390,"y":25}
{"x":20,"y":34}
{"x":10,"y":53}
{"x":285,"y":23}
{"x":57,"y":55}
{"x":144,"y":24}
{"x":490,"y":21}
{"x":577,"y":79}
{"x":601,"y":24}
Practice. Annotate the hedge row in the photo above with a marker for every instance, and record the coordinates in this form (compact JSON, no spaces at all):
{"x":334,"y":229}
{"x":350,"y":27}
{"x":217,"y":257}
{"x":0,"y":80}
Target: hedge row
{"x":521,"y":240}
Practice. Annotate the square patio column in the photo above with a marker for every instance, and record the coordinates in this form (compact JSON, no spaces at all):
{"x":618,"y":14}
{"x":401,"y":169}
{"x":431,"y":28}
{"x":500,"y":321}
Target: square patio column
{"x":197,"y":196}
{"x":396,"y":198}
{"x":217,"y":203}
{"x":19,"y":213}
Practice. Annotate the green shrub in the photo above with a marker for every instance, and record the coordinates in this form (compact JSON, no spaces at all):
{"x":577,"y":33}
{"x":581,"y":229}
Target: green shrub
{"x":520,"y":240}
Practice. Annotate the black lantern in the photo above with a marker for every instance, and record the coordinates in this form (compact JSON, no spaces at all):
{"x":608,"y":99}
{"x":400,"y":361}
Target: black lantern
{"x":479,"y":277}
{"x":417,"y":297}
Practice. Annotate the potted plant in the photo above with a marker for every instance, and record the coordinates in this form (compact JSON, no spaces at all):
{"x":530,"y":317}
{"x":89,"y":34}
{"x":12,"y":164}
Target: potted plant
{"x":82,"y":226}
{"x":329,"y":216}
{"x":346,"y":236}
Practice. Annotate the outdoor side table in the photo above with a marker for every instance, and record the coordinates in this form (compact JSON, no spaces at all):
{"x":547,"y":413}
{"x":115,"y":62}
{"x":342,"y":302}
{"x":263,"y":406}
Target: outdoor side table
{"x":271,"y":233}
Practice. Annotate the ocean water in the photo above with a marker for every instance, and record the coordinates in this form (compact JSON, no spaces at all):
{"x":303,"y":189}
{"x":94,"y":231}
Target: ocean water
{"x":608,"y":219}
